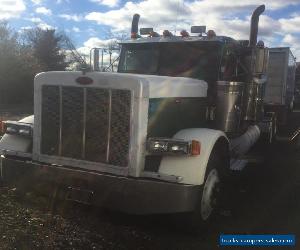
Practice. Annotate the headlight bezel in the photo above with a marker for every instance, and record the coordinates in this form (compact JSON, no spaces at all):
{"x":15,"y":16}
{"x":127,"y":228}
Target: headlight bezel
{"x":18,"y":128}
{"x":171,"y":146}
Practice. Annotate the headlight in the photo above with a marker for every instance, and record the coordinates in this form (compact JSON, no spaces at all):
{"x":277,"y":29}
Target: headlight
{"x":173,"y":146}
{"x":18,"y":128}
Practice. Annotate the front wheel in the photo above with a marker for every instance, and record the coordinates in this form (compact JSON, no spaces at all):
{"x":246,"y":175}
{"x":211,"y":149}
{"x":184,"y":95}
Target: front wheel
{"x":210,"y":194}
{"x":210,"y":197}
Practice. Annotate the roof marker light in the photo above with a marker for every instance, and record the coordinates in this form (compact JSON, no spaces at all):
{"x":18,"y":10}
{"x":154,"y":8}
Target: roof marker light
{"x":184,"y":33}
{"x":167,"y":33}
{"x":211,"y":34}
{"x":154,"y":34}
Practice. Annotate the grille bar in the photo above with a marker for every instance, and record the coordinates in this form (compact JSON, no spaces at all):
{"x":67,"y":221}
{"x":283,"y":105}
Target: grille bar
{"x":109,"y":127}
{"x":91,"y":124}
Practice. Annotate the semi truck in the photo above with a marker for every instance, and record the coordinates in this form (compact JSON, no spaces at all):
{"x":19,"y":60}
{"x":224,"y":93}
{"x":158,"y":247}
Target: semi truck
{"x":161,"y":135}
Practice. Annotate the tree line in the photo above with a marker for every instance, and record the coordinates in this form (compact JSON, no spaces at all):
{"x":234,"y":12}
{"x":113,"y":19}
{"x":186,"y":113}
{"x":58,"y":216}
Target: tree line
{"x":23,"y":55}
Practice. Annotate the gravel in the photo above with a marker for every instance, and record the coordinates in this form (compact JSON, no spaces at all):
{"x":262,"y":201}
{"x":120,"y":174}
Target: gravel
{"x":25,"y":223}
{"x":265,"y":199}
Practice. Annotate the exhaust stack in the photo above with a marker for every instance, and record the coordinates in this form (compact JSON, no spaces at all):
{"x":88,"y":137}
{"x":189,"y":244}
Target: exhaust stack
{"x":135,"y":24}
{"x":254,"y":24}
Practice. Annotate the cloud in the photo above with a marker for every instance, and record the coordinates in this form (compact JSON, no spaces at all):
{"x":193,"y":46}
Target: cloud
{"x":37,"y":2}
{"x":8,"y":12}
{"x":34,"y":19}
{"x":26,"y":28}
{"x":292,"y":41}
{"x":40,"y":23}
{"x":45,"y":26}
{"x":109,"y":3}
{"x":231,"y":18}
{"x":44,"y":11}
{"x":153,"y":12}
{"x":95,"y":42}
{"x":76,"y":29}
{"x":74,"y":17}
{"x":61,"y":1}
{"x":291,"y":24}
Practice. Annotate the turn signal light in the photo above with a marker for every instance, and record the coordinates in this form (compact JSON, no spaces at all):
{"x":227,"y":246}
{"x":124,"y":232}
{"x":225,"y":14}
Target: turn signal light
{"x":195,"y":147}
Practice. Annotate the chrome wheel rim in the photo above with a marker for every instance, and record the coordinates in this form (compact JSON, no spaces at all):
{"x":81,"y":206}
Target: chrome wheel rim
{"x":209,"y":195}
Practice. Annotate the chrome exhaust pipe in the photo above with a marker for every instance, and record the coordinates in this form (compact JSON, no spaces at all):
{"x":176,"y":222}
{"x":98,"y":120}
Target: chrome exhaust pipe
{"x":241,"y":145}
{"x":96,"y":66}
{"x":254,"y":24}
{"x":135,"y":24}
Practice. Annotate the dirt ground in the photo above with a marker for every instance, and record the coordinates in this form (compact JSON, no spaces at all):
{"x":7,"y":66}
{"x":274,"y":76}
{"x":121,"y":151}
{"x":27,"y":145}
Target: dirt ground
{"x":265,"y":199}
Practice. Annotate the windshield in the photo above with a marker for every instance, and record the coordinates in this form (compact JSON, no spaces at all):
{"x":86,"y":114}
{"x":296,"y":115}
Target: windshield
{"x":190,"y":59}
{"x":140,"y":59}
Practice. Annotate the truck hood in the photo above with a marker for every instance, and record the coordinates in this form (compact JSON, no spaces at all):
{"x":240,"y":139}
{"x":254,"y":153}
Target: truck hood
{"x":166,"y":86}
{"x":158,"y":86}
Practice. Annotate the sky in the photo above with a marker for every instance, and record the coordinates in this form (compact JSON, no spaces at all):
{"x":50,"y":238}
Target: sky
{"x":94,"y":23}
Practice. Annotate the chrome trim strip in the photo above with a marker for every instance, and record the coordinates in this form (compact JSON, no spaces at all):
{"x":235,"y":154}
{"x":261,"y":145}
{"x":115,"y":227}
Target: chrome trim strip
{"x":84,"y":124}
{"x":109,"y":126}
{"x":60,"y":122}
{"x":84,"y":164}
{"x":16,"y":153}
{"x":1,"y":166}
{"x":160,"y":176}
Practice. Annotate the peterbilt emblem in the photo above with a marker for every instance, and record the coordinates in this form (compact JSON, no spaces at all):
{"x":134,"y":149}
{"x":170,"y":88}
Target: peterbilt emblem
{"x":83,"y":80}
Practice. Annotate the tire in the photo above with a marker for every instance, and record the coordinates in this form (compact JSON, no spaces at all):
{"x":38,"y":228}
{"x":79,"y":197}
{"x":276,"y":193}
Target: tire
{"x":211,"y":194}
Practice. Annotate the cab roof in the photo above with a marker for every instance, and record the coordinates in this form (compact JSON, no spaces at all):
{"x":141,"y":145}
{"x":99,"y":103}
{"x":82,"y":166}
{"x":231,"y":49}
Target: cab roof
{"x":172,"y":39}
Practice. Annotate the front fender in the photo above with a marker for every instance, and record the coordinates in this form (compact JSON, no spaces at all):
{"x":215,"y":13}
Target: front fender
{"x":192,"y":168}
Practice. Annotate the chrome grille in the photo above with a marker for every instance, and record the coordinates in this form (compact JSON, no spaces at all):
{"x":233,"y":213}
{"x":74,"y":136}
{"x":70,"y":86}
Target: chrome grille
{"x":120,"y":108}
{"x":50,"y":120}
{"x":91,"y":124}
{"x":97,"y":124}
{"x":72,"y":122}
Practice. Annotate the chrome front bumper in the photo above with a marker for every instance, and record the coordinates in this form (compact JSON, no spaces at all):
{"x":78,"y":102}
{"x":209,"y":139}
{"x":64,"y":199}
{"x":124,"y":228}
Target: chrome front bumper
{"x":130,"y":195}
